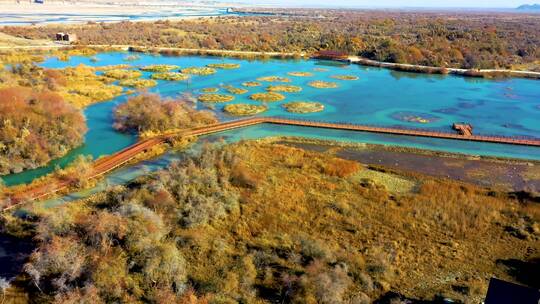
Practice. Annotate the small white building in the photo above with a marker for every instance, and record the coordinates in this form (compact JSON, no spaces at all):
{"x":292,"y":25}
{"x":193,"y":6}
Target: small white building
{"x":66,"y":37}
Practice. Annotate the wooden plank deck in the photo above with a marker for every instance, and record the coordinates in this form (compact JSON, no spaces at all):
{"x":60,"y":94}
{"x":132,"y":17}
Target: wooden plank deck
{"x":109,"y":163}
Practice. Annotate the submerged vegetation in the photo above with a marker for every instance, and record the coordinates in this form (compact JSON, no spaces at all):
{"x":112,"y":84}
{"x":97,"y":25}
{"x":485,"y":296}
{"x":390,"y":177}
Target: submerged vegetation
{"x":345,"y":77}
{"x":233,"y":90}
{"x":300,"y":74}
{"x":36,"y":127}
{"x":244,"y":109}
{"x":267,"y":97}
{"x":251,"y":222}
{"x":209,"y":90}
{"x":423,"y":118}
{"x":225,"y":66}
{"x":303,"y":107}
{"x":212,"y":97}
{"x":131,"y":58}
{"x":148,"y":114}
{"x":251,"y":84}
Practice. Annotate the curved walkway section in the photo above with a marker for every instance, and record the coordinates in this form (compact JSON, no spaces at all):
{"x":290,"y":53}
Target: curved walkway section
{"x":109,"y":163}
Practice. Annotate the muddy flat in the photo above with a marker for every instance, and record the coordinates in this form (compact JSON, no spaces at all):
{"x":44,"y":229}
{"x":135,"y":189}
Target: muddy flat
{"x":513,"y":175}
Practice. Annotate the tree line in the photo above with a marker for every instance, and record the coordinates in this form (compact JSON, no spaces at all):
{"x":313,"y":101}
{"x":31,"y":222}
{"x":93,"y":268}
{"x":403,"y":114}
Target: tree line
{"x":463,"y":40}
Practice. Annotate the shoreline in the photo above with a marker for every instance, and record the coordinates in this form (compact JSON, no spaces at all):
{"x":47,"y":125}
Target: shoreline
{"x":477,"y":73}
{"x":419,"y":151}
{"x":402,"y":67}
{"x":511,"y":174}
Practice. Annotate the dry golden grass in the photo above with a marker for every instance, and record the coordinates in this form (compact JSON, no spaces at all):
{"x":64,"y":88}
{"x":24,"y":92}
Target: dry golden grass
{"x":320,"y":227}
{"x":423,"y":240}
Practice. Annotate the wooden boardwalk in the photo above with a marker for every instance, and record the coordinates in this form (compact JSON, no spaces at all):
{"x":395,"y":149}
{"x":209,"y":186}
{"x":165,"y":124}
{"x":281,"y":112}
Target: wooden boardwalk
{"x":109,"y":163}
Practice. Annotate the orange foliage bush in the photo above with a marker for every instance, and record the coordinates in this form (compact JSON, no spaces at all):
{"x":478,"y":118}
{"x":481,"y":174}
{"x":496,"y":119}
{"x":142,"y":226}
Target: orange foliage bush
{"x":149,"y":113}
{"x":36,"y":127}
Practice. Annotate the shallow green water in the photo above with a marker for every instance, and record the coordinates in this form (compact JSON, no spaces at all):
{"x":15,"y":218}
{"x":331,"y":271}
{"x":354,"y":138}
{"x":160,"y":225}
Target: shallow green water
{"x":380,"y":97}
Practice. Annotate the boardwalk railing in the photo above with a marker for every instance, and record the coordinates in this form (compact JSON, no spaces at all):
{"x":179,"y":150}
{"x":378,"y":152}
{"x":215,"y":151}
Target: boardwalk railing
{"x":109,"y":163}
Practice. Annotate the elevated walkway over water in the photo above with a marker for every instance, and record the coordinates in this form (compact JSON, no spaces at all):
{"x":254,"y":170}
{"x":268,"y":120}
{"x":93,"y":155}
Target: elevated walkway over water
{"x":109,"y":163}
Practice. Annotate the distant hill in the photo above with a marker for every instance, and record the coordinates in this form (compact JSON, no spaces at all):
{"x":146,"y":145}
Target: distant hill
{"x":529,"y":7}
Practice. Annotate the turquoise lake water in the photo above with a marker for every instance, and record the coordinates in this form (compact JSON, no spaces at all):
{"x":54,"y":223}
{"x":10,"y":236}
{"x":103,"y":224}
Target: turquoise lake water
{"x":379,"y":97}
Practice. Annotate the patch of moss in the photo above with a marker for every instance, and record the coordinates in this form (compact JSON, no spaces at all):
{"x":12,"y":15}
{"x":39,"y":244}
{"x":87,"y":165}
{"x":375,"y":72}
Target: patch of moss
{"x":170,"y":76}
{"x":319,"y":84}
{"x":284,"y":88}
{"x":215,"y":98}
{"x":122,"y":74}
{"x":244,"y":109}
{"x":225,"y":66}
{"x":138,"y":83}
{"x":236,"y":91}
{"x":199,"y":71}
{"x":251,"y":84}
{"x":303,"y":107}
{"x":267,"y":97}
{"x":159,"y":68}
{"x":300,"y":74}
{"x":345,"y":77}
{"x":274,"y":79}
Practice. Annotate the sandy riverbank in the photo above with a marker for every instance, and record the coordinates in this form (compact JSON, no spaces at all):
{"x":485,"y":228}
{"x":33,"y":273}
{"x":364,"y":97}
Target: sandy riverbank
{"x":81,"y":12}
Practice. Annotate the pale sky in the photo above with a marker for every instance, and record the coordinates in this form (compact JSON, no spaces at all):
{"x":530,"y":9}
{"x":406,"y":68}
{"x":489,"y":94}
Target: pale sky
{"x":397,"y":3}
